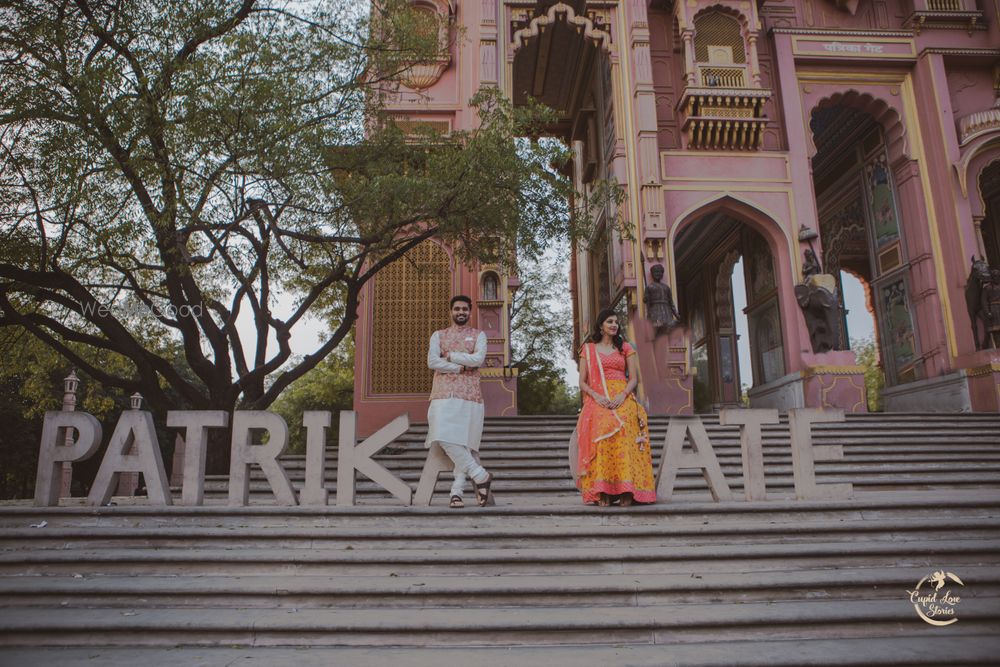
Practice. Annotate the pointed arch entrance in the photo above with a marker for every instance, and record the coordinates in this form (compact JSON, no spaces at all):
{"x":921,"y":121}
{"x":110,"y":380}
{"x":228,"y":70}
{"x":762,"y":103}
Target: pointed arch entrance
{"x":708,"y":245}
{"x":862,"y":231}
{"x":989,"y":225}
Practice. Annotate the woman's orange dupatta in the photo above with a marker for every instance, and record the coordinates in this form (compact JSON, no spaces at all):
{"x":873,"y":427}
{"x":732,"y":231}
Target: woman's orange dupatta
{"x":596,"y":422}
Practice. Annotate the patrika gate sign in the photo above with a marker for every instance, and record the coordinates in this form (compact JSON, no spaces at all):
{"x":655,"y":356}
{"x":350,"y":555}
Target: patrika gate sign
{"x":71,"y":436}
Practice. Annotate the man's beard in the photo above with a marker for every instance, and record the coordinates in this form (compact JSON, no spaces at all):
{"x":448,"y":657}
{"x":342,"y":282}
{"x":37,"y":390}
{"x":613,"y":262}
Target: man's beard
{"x":460,"y":319}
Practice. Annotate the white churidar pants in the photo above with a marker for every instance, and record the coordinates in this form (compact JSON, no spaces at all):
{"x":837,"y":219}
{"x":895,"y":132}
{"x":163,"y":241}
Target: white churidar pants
{"x":465,"y":465}
{"x":457,"y":426}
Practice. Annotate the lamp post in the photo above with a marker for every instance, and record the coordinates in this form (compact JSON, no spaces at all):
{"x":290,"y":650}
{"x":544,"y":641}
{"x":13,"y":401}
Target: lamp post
{"x":70,"y":384}
{"x":128,"y":482}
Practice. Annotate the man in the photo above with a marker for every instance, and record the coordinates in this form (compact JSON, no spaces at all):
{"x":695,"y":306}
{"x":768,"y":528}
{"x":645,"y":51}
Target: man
{"x":660,"y":302}
{"x":455,"y":416}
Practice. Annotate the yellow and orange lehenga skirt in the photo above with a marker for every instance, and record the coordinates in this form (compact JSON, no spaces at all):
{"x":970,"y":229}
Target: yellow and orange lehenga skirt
{"x":620,"y":459}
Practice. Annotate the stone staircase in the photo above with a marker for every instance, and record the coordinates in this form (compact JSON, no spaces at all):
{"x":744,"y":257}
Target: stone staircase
{"x":539,"y":578}
{"x":881,"y":452}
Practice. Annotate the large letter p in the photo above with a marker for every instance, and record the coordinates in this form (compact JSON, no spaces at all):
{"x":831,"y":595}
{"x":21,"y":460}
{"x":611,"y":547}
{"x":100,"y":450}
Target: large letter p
{"x":53,"y":452}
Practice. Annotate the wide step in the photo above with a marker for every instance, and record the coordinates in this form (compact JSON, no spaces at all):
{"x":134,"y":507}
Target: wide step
{"x":538,"y":579}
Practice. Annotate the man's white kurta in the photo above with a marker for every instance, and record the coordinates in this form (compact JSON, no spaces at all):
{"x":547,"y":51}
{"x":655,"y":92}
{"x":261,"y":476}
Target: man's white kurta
{"x":455,"y":421}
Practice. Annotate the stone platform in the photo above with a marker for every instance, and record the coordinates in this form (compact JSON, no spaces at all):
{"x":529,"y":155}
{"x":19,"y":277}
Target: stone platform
{"x":539,"y":578}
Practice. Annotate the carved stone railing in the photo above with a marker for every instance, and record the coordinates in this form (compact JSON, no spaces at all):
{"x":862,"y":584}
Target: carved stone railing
{"x":946,"y":15}
{"x":723,"y":118}
{"x":722,"y":76}
{"x":945,"y":5}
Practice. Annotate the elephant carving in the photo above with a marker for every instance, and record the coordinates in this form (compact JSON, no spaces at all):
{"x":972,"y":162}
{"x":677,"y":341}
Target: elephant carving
{"x":822,"y":311}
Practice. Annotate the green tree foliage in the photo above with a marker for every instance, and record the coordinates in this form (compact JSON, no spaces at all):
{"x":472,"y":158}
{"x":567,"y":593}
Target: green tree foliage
{"x":328,"y":386}
{"x":18,"y":441}
{"x":866,"y":351}
{"x":542,"y":335}
{"x":172,"y":168}
{"x":31,"y":383}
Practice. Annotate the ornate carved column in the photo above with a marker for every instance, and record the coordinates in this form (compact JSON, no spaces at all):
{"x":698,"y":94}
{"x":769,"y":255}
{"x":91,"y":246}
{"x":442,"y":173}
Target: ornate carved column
{"x":690,"y":78}
{"x":754,"y":62}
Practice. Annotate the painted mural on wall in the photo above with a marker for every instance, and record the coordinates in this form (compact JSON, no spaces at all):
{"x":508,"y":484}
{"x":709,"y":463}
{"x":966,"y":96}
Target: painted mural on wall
{"x":898,"y":328}
{"x":881,"y":202}
{"x":760,"y":267}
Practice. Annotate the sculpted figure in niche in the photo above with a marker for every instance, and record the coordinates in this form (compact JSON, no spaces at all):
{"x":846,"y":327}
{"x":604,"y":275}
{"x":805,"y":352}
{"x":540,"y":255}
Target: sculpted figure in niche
{"x":660,"y":303}
{"x":810,"y":265}
{"x":491,"y":287}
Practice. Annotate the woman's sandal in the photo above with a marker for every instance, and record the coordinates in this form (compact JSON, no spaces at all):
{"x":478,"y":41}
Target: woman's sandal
{"x":483,"y":491}
{"x":604,"y":500}
{"x":626,"y":500}
{"x":456,"y":503}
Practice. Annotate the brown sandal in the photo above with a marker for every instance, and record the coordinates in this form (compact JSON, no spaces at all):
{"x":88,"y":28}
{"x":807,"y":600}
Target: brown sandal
{"x":456,"y":503}
{"x":604,"y":500}
{"x":483,"y":491}
{"x":626,"y":500}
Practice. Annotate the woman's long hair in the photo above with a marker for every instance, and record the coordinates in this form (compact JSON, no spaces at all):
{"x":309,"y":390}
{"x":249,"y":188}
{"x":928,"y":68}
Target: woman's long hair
{"x":596,"y":335}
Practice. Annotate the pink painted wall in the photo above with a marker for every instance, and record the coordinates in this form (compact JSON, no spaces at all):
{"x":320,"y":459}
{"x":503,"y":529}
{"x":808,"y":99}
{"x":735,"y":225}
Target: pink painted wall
{"x":477,"y":48}
{"x":918,"y":89}
{"x":919,"y":100}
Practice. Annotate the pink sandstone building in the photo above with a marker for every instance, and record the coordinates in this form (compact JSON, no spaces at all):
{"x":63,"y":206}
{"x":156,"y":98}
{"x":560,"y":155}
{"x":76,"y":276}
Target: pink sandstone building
{"x":865,"y":130}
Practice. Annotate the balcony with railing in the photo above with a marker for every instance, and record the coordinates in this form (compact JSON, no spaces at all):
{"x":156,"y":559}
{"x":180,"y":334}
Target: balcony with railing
{"x":946,"y":15}
{"x":722,"y":76}
{"x":722,"y":110}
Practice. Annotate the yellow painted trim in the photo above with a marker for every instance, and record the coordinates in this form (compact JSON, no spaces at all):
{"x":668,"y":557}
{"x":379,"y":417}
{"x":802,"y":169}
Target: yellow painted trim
{"x":687,"y":392}
{"x":825,"y":391}
{"x":954,"y":201}
{"x":713,"y":188}
{"x":833,"y":370}
{"x":497,"y":372}
{"x":848,"y":78}
{"x":910,"y":106}
{"x":982,"y":370}
{"x":842,"y":55}
{"x":508,"y":79}
{"x":910,"y":122}
{"x":726,"y":155}
{"x":509,"y":409}
{"x":793,"y":252}
{"x":631,"y":150}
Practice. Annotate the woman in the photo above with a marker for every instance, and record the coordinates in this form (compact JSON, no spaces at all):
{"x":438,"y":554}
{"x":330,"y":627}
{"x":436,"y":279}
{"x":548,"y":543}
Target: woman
{"x":614,"y":458}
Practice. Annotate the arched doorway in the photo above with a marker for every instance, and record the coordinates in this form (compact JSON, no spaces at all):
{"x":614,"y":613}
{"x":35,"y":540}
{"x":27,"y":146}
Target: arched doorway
{"x":707,"y":250}
{"x":862,"y":232}
{"x":989,"y":227}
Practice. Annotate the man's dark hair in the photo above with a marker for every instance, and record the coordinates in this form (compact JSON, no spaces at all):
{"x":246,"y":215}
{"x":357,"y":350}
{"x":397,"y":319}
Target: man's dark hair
{"x":460,"y":297}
